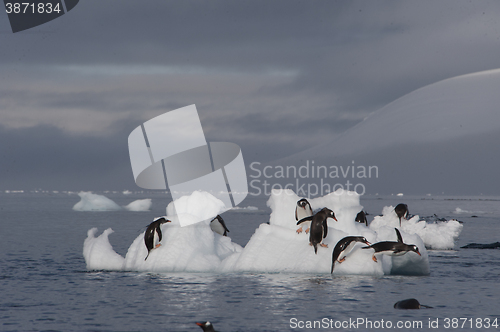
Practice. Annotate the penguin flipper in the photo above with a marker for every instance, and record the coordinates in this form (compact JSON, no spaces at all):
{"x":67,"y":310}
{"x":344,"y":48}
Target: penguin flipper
{"x":325,"y":229}
{"x":158,"y":230}
{"x":304,"y":220}
{"x":400,"y":238}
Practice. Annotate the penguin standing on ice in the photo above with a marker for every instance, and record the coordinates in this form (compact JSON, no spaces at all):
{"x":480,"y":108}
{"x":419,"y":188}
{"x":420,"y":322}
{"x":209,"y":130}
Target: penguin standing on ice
{"x":152,"y":237}
{"x":361,"y":218}
{"x":219,"y":226}
{"x":303,"y":210}
{"x":344,"y":247}
{"x":319,"y":228}
{"x":392,"y":248}
{"x":402,"y":211}
{"x":206,"y":327}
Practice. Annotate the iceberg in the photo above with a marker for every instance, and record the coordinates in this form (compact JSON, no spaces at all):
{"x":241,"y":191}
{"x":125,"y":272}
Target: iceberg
{"x":94,"y":202}
{"x":274,"y":247}
{"x":139,"y":205}
{"x":440,"y":235}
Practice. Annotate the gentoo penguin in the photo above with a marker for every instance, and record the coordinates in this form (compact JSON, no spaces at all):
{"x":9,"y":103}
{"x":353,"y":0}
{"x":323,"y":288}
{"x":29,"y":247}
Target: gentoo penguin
{"x":402,"y":211}
{"x":303,"y":210}
{"x":152,"y":237}
{"x":391,"y":248}
{"x":409,"y":304}
{"x":319,"y":228}
{"x":219,"y":226}
{"x":344,"y":247}
{"x":361,"y":218}
{"x":206,"y":326}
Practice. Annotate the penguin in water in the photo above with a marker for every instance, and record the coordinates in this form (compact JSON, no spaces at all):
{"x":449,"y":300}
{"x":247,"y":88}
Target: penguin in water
{"x":303,"y":210}
{"x":152,"y":237}
{"x":206,"y":326}
{"x":409,"y":304}
{"x":391,"y":248}
{"x":219,"y":226}
{"x":344,"y":247}
{"x":361,"y":218}
{"x":402,"y":211}
{"x":319,"y":228}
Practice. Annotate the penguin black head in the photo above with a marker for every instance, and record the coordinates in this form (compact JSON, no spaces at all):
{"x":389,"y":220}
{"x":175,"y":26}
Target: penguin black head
{"x":162,"y":220}
{"x":414,"y":248}
{"x":401,"y":211}
{"x":329,"y":213}
{"x":206,"y":326}
{"x":407,"y":304}
{"x":361,"y":218}
{"x":302,"y":203}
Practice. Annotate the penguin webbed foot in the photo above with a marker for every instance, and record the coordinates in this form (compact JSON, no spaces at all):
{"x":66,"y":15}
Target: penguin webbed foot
{"x":374,"y":258}
{"x":299,"y":230}
{"x":158,"y":245}
{"x":341,"y":260}
{"x":324,"y":245}
{"x":307,"y":230}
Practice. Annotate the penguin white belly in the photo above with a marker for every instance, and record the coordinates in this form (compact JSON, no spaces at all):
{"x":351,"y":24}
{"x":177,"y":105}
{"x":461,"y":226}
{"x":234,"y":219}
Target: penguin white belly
{"x":347,"y":250}
{"x":391,"y":253}
{"x":217,"y":227}
{"x":156,"y":240}
{"x":303,"y":212}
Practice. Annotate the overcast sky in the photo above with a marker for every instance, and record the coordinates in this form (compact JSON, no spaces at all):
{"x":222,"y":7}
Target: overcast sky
{"x":274,"y":77}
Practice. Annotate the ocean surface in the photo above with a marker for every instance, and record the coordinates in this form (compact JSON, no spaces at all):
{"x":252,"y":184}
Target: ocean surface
{"x":44,"y":284}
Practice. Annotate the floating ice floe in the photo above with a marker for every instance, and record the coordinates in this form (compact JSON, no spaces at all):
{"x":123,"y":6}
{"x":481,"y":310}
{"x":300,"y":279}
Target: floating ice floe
{"x":139,"y":205}
{"x":274,"y":247}
{"x":439,"y":235}
{"x":193,"y":248}
{"x":94,"y":202}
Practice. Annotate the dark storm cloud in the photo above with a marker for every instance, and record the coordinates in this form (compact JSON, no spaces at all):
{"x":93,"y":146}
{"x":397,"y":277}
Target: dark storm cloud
{"x":274,"y":77}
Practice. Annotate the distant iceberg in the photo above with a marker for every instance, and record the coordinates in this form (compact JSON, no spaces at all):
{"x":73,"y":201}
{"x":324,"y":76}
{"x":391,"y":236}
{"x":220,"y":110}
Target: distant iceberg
{"x":140,"y":205}
{"x":94,"y":202}
{"x":440,"y":235}
{"x":274,"y":247}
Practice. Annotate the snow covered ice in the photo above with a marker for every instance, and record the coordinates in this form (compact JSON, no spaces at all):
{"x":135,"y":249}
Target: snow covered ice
{"x":274,"y":247}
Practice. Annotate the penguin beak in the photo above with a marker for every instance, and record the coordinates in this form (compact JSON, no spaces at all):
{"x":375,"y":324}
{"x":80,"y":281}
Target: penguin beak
{"x":335,"y":219}
{"x":199,"y":324}
{"x":368,"y":243}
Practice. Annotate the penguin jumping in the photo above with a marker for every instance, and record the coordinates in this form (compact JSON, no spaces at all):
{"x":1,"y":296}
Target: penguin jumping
{"x":319,"y":228}
{"x":303,"y":210}
{"x":344,"y":247}
{"x":206,"y":327}
{"x":361,"y":218}
{"x":391,"y":248}
{"x":219,"y":226}
{"x":402,"y":211}
{"x":152,"y":237}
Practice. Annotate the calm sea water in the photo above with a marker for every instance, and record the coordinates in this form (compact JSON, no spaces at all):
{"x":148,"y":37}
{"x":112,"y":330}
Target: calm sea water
{"x":44,"y":284}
